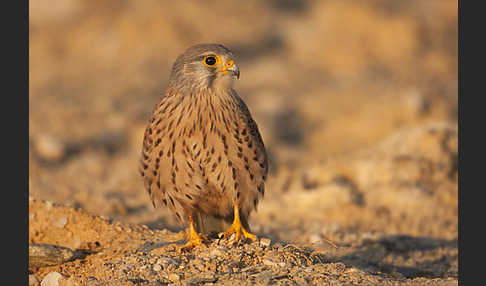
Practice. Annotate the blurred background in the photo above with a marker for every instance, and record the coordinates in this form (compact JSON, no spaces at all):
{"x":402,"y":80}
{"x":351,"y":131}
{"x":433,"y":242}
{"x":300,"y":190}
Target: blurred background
{"x":356,"y":102}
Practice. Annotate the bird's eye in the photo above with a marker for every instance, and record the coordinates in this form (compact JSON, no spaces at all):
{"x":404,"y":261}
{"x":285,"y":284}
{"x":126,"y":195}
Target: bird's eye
{"x":211,"y":61}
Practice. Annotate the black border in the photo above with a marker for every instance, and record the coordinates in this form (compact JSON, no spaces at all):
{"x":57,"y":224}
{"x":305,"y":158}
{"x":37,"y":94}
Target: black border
{"x":470,"y":159}
{"x":15,"y":137}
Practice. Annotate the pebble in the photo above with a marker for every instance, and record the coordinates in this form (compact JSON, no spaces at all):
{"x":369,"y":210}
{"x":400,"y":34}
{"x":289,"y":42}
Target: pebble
{"x":300,"y":281}
{"x":215,"y":252}
{"x":33,"y":280}
{"x":157,"y":267}
{"x":51,"y":279}
{"x":368,"y":236}
{"x":265,"y":241}
{"x":61,"y":222}
{"x":166,"y":260}
{"x":202,"y":280}
{"x":268,"y":262}
{"x":174,"y":277}
{"x":315,"y":238}
{"x":48,"y":254}
{"x":49,"y":148}
{"x":264,"y":277}
{"x":76,"y":242}
{"x":106,"y":218}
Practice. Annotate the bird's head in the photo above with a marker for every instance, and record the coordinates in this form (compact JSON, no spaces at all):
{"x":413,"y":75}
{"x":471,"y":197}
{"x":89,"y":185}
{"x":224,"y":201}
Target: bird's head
{"x":205,"y":66}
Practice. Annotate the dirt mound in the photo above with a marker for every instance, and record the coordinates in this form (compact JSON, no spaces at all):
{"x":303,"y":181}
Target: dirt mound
{"x":390,"y":209}
{"x":113,"y":253}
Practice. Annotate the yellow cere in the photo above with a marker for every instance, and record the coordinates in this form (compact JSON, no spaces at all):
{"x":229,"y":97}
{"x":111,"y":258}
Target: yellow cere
{"x":228,"y":65}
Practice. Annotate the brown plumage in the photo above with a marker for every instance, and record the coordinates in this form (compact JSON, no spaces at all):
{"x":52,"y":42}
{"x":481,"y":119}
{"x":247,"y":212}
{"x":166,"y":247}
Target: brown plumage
{"x":203,"y":156}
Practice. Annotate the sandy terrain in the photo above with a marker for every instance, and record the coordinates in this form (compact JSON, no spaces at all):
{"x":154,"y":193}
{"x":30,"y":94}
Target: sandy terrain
{"x":357,"y":105}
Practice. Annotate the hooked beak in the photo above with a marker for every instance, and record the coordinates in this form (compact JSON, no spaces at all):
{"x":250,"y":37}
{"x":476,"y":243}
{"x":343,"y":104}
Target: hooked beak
{"x":230,"y":66}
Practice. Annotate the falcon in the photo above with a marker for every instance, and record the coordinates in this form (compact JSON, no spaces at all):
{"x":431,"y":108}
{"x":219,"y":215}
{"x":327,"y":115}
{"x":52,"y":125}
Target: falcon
{"x":203,"y":156}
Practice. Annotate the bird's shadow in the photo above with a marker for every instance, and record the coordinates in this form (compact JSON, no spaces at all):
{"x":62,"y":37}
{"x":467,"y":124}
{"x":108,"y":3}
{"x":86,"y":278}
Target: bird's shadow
{"x":394,"y":254}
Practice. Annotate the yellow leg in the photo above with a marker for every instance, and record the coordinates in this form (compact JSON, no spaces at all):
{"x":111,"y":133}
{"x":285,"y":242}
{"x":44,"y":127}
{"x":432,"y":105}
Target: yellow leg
{"x":194,"y":239}
{"x":237,"y":228}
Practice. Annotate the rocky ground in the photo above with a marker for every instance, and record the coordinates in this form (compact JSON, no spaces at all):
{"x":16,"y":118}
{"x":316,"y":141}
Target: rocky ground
{"x":356,"y":102}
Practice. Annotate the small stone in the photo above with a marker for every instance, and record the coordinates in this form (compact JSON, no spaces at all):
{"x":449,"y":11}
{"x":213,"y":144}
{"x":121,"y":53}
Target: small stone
{"x":51,"y":279}
{"x":174,"y":277}
{"x":48,"y":254}
{"x":105,"y":218}
{"x":215,"y":252}
{"x":268,"y":262}
{"x":157,"y":267}
{"x":300,"y":281}
{"x":264,"y":277}
{"x":76,"y":243}
{"x":61,"y":222}
{"x":265,"y":241}
{"x":315,"y":238}
{"x":166,"y":260}
{"x":49,"y":148}
{"x":33,"y":280}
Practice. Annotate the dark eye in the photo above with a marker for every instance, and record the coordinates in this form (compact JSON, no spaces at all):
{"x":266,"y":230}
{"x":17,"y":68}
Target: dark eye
{"x":210,"y":61}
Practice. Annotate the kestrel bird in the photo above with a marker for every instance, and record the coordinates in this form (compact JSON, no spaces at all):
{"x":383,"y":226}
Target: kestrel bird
{"x":203,"y":156}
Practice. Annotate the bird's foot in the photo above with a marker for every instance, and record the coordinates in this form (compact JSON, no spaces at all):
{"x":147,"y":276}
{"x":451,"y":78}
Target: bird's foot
{"x":238,"y":233}
{"x":194,"y":239}
{"x":238,"y":230}
{"x":191,"y":244}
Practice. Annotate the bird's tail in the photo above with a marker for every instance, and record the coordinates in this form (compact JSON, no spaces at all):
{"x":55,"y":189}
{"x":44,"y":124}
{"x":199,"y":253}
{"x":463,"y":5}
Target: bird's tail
{"x":210,"y":225}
